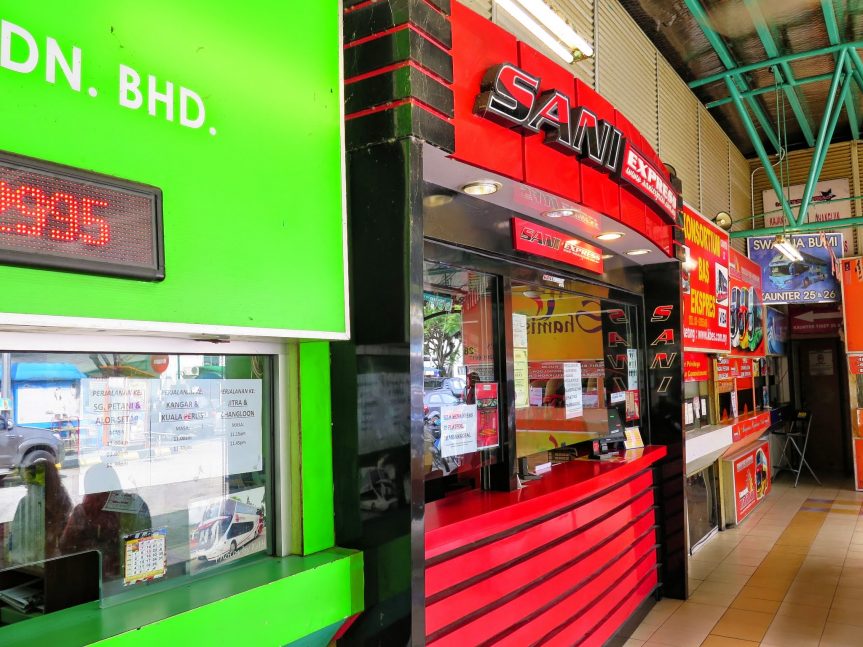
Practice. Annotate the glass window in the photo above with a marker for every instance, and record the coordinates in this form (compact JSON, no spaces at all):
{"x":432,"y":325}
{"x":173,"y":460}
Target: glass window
{"x":156,"y":463}
{"x":576,"y":369}
{"x":461,"y":385}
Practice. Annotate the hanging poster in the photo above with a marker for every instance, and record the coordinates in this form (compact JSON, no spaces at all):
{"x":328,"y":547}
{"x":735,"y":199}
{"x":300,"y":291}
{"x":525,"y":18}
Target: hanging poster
{"x":852,"y":303}
{"x":746,"y":325}
{"x":810,"y":280}
{"x":705,"y":286}
{"x":572,"y":389}
{"x":829,"y":202}
{"x":777,"y":332}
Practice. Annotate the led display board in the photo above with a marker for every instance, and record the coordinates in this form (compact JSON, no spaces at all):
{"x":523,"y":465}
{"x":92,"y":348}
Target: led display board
{"x":57,"y":217}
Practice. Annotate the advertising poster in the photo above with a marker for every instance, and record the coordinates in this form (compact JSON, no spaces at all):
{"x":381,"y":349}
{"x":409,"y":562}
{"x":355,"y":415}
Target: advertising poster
{"x":705,"y":287}
{"x":777,"y":331}
{"x":852,"y":303}
{"x":820,"y":210}
{"x":751,"y":479}
{"x":746,"y":315}
{"x":225,"y":528}
{"x":572,"y":390}
{"x":696,"y":367}
{"x":458,"y":427}
{"x":487,"y":435}
{"x":808,"y":281}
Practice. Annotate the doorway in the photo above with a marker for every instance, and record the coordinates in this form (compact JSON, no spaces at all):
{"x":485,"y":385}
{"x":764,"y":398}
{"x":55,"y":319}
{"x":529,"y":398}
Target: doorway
{"x":822,"y":388}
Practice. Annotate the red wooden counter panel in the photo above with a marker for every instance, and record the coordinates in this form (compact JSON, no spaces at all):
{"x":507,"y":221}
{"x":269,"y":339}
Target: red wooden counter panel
{"x":565,"y":560}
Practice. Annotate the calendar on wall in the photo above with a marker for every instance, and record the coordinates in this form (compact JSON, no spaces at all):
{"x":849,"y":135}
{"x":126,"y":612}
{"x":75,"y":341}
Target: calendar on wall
{"x":146,"y":556}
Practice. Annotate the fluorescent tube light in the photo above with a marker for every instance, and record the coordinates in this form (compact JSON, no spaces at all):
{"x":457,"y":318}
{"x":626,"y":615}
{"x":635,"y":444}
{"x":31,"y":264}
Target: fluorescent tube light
{"x":534,"y":28}
{"x":787,"y":248}
{"x":557,"y":25}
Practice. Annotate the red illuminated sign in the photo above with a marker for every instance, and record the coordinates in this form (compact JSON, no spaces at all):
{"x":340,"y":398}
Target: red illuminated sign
{"x":556,"y":245}
{"x":640,"y":173}
{"x":60,"y":218}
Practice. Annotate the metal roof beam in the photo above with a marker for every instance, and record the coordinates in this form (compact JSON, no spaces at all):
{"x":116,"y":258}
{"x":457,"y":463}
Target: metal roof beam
{"x":772,"y":88}
{"x":770,"y":62}
{"x":759,"y":147}
{"x":766,"y":36}
{"x":806,"y":226}
{"x":832,"y":109}
{"x":832,"y":23}
{"x":728,"y":61}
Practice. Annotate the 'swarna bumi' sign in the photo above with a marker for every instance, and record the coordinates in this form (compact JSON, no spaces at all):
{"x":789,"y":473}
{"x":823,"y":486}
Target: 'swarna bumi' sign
{"x":510,"y":97}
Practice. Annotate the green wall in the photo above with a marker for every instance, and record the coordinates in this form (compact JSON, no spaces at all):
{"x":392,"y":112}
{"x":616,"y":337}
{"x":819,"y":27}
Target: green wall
{"x":253,"y":213}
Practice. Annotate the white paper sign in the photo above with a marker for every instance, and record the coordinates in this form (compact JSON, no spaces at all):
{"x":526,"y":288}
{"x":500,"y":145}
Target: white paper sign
{"x":457,"y":430}
{"x":519,"y":331}
{"x":820,"y":210}
{"x":632,"y":369}
{"x":618,"y":397}
{"x":536,"y":396}
{"x":572,"y":388}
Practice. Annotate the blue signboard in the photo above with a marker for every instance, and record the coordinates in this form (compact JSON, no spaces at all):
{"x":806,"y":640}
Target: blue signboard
{"x":809,"y":280}
{"x":777,"y":332}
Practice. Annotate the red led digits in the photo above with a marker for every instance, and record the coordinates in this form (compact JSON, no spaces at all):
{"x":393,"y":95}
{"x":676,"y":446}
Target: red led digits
{"x":88,"y":219}
{"x":67,"y":216}
{"x":62,"y":214}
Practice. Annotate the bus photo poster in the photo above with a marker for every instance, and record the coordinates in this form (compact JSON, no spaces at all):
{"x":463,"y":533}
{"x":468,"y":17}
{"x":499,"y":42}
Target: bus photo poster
{"x":809,"y":280}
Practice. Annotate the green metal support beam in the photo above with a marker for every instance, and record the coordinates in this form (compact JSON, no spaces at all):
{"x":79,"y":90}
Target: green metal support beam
{"x":832,"y":23}
{"x":759,"y":147}
{"x":770,"y":62}
{"x":818,"y":78}
{"x":766,"y":36}
{"x":728,"y":61}
{"x":832,"y":109}
{"x":795,"y":229}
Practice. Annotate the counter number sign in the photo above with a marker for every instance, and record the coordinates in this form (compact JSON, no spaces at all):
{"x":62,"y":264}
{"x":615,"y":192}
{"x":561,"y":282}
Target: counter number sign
{"x":56,"y":217}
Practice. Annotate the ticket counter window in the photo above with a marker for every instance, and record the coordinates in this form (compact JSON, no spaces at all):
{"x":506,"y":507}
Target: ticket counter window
{"x":123,"y":473}
{"x":576,"y":368}
{"x":461,"y":419}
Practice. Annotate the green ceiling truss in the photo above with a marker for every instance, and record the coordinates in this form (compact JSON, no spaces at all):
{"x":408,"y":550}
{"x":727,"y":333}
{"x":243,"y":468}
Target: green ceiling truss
{"x":848,"y":71}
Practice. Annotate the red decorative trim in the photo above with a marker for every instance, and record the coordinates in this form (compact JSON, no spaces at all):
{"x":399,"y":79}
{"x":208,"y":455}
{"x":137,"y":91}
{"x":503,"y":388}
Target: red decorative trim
{"x":395,"y":104}
{"x":393,"y":30}
{"x":397,"y":66}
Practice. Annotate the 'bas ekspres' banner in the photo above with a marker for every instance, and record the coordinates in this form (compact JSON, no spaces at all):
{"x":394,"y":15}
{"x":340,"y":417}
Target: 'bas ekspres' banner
{"x":747,"y":311}
{"x":810,"y":280}
{"x":705,"y":289}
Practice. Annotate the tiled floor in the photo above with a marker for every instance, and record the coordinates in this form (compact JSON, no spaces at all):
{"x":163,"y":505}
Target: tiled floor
{"x":790,"y":576}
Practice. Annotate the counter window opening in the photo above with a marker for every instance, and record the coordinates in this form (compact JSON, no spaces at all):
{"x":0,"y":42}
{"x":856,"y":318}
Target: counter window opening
{"x":126,"y":473}
{"x":573,"y":355}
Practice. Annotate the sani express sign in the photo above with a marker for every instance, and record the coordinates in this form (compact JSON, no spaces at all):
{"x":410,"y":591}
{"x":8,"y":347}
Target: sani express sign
{"x":231,"y":113}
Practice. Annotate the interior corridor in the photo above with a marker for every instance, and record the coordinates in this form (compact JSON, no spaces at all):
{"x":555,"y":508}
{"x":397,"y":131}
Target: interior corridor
{"x":790,"y":576}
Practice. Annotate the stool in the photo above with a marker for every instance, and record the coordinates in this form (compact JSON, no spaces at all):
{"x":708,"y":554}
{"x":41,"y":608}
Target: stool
{"x":797,"y":436}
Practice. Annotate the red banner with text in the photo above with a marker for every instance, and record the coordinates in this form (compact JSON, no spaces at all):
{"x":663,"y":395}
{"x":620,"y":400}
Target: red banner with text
{"x":705,"y":285}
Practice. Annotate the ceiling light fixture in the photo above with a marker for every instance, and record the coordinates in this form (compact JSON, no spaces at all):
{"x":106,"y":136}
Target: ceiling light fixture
{"x":689,"y":263}
{"x":638,"y":252}
{"x":559,"y":213}
{"x":786,"y":248}
{"x":558,"y":26}
{"x":607,"y":256}
{"x":481,"y":187}
{"x":436,"y":200}
{"x":610,"y":235}
{"x":536,"y":29}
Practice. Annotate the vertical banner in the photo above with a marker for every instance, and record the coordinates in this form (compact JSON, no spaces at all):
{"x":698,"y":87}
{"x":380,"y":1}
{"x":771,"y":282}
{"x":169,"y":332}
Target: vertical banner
{"x":746,"y":325}
{"x":852,"y":302}
{"x":810,"y":280}
{"x":705,"y":286}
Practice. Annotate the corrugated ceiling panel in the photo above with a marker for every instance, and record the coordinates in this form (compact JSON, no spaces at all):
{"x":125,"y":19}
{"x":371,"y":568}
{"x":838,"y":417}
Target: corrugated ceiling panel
{"x":626,"y":68}
{"x":713,"y":152}
{"x":741,"y":204}
{"x":678,"y":130}
{"x":482,"y":7}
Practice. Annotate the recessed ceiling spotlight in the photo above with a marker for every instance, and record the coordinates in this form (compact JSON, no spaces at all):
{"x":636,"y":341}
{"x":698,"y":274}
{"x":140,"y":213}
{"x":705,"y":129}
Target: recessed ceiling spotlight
{"x":481,"y":187}
{"x":560,"y":213}
{"x":638,"y":252}
{"x":607,"y":256}
{"x":436,"y":200}
{"x":610,"y":235}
